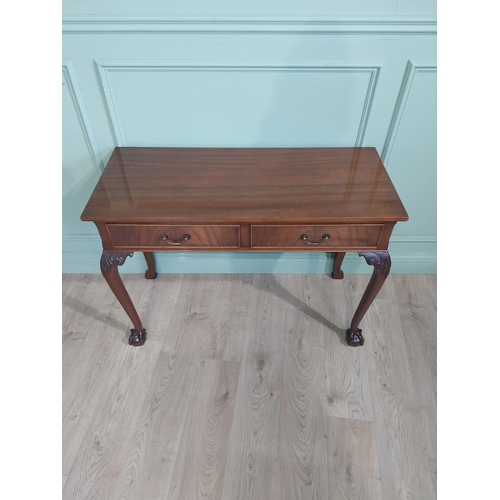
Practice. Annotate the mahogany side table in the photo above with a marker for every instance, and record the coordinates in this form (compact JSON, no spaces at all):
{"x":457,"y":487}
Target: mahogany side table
{"x":334,"y":200}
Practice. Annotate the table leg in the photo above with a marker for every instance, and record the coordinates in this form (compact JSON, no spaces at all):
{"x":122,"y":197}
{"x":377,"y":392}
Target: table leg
{"x":381,"y":262}
{"x":151,"y":273}
{"x":109,"y":268}
{"x":337,"y":273}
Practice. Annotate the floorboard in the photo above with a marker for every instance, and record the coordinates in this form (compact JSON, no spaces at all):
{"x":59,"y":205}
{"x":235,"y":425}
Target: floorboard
{"x":246,"y":389}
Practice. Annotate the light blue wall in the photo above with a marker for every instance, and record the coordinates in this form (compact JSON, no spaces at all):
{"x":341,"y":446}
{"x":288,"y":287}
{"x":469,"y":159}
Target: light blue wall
{"x":250,"y":74}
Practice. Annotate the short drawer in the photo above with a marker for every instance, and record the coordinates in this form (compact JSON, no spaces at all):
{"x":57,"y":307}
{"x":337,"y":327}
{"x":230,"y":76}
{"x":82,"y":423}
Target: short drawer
{"x":350,"y":236}
{"x":174,"y":237}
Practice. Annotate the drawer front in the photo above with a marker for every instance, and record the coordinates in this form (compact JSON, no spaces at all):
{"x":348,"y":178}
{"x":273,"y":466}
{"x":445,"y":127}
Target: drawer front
{"x":350,"y":236}
{"x":174,"y":237}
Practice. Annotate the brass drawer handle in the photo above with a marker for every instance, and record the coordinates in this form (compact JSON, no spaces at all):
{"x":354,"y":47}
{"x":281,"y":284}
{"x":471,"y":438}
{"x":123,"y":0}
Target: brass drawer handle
{"x":323,"y":239}
{"x":185,"y":237}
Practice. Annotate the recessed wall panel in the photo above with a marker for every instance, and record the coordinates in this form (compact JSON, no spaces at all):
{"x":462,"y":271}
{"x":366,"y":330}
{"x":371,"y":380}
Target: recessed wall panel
{"x":238,"y":106}
{"x":412,"y":151}
{"x":80,"y":163}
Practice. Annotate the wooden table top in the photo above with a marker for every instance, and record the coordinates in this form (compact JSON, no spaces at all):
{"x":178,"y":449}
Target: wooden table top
{"x":245,"y":185}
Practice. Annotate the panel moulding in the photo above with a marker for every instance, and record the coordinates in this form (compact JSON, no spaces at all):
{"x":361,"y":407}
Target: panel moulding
{"x":403,"y":25}
{"x":106,"y":67}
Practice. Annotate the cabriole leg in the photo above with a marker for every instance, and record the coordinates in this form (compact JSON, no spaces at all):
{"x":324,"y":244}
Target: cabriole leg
{"x":381,"y":262}
{"x":337,"y":273}
{"x":151,"y":273}
{"x":109,"y":268}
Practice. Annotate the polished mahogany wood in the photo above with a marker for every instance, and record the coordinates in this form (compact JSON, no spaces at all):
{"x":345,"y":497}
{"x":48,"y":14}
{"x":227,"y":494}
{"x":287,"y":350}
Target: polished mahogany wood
{"x":381,"y":262}
{"x":169,"y":237}
{"x":229,"y":199}
{"x":338,"y":258}
{"x":349,"y":236}
{"x":255,"y":185}
{"x":109,"y":269}
{"x":151,"y":273}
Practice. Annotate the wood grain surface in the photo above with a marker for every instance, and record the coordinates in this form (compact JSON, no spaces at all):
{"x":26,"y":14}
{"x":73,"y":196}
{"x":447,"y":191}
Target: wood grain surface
{"x":252,"y":185}
{"x":340,"y":236}
{"x":398,"y":426}
{"x":246,"y":390}
{"x":417,"y":311}
{"x":202,"y":456}
{"x":347,"y":369}
{"x":173,"y":237}
{"x":253,"y":453}
{"x":352,"y":460}
{"x":92,"y":361}
{"x":302,"y":466}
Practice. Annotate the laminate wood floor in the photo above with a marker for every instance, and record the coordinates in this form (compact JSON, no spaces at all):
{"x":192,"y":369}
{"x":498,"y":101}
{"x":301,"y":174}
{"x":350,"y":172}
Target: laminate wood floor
{"x":246,"y":389}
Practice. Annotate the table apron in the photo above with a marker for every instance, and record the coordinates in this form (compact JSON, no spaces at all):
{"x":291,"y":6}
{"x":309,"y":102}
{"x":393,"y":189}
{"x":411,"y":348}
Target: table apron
{"x":245,"y":237}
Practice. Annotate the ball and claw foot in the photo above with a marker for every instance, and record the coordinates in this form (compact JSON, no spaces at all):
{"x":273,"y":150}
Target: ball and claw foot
{"x":137,"y":338}
{"x":354,"y":339}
